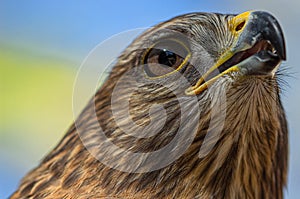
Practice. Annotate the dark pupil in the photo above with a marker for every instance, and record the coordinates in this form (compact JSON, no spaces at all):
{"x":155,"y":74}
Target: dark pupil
{"x":167,"y":58}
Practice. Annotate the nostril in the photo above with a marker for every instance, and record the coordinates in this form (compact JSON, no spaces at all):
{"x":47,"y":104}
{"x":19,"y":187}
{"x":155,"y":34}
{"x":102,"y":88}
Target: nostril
{"x":240,"y":26}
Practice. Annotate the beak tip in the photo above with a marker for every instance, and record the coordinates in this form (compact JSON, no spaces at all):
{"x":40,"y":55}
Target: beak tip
{"x":282,"y":54}
{"x":269,"y":27}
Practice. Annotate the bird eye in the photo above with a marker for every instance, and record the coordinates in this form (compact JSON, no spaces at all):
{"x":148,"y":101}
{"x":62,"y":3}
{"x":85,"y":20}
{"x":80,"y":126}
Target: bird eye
{"x":165,"y":57}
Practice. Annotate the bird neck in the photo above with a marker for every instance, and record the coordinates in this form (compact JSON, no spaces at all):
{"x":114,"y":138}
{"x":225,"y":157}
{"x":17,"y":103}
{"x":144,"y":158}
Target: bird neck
{"x":250,"y":158}
{"x":247,"y":158}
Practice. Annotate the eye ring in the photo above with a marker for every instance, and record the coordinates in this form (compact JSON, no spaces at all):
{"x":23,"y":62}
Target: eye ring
{"x":165,"y":57}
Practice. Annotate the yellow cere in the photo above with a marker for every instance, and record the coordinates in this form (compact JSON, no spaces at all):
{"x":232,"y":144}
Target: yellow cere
{"x":236,"y":23}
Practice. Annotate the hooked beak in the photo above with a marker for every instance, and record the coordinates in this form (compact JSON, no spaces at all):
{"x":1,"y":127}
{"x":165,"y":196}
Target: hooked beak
{"x":258,"y":49}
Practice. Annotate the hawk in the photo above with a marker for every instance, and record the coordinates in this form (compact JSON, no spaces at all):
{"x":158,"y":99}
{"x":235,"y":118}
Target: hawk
{"x":191,"y":109}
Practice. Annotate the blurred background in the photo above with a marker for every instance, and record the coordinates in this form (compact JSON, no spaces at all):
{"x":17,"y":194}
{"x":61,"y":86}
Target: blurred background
{"x":43,"y":43}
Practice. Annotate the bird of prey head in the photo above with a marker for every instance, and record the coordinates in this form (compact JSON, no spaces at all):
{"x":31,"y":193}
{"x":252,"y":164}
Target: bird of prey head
{"x":191,"y":109}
